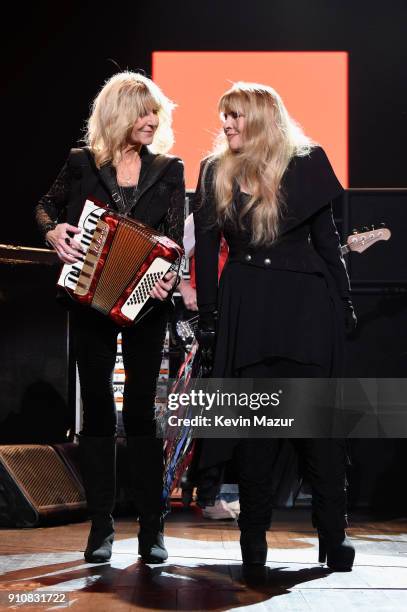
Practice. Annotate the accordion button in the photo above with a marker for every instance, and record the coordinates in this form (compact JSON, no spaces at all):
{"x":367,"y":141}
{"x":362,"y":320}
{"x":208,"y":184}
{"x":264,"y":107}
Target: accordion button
{"x":267,"y":261}
{"x":248,"y":257}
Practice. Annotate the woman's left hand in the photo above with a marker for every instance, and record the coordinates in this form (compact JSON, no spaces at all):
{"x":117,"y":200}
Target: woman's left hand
{"x":350,"y":316}
{"x":162,"y":287}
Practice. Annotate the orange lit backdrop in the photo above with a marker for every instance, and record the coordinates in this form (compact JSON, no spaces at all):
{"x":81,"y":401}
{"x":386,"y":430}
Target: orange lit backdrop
{"x":313,"y":85}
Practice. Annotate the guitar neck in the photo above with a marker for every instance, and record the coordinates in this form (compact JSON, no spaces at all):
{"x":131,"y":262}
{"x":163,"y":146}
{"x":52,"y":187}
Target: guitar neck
{"x":360,"y":241}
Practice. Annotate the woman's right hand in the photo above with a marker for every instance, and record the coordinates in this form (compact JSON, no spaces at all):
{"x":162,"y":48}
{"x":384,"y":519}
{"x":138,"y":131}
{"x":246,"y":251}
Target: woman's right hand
{"x":188,"y":294}
{"x":67,"y":249}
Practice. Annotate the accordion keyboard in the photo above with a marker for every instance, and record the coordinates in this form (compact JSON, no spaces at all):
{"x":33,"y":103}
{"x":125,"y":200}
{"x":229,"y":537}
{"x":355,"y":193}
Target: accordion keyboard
{"x":88,"y":221}
{"x":87,"y":272}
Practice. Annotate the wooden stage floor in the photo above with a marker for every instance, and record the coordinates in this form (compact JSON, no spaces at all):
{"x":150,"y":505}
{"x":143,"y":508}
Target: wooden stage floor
{"x":204,"y":572}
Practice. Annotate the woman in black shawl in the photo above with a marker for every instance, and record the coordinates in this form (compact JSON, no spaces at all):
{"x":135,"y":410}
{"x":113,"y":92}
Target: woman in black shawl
{"x":283,"y":302}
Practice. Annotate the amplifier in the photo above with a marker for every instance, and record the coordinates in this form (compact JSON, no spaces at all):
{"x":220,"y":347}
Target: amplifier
{"x":37,"y":486}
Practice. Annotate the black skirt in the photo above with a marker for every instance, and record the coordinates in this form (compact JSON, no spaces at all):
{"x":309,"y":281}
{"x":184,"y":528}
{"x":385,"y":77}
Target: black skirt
{"x":266,"y":313}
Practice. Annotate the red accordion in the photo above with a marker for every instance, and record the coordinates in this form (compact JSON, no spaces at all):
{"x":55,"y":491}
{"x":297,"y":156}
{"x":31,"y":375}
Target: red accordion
{"x":122,"y":262}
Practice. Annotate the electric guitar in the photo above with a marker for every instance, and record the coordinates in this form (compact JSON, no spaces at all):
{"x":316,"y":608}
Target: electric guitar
{"x":360,"y":241}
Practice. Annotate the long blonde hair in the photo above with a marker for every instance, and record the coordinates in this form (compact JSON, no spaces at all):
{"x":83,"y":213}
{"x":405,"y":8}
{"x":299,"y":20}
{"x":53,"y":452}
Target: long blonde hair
{"x":271,"y":138}
{"x":124,"y":98}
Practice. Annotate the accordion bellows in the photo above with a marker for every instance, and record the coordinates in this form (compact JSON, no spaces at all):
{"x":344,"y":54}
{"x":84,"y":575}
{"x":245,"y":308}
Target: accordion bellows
{"x":122,"y":262}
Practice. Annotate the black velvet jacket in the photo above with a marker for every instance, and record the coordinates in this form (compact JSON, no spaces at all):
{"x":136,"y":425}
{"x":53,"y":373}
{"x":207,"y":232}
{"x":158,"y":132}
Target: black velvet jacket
{"x":308,"y":240}
{"x":159,"y":200}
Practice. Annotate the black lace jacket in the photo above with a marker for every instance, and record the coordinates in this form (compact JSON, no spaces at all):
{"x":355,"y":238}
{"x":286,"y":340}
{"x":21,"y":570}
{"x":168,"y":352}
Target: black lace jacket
{"x":158,"y":201}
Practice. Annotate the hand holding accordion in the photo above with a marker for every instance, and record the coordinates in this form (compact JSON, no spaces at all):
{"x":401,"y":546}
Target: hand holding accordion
{"x":123,"y":260}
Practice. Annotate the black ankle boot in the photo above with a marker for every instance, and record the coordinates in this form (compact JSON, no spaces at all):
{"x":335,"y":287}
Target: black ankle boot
{"x":146,"y":457}
{"x":151,"y":546}
{"x":253,"y":545}
{"x":336,"y":551}
{"x":98,"y":468}
{"x":100,"y":541}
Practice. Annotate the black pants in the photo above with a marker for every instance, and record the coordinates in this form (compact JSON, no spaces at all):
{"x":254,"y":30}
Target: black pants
{"x":95,"y":339}
{"x":323,"y":461}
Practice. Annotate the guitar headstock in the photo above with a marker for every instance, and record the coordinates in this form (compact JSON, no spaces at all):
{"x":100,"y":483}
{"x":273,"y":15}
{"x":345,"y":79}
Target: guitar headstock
{"x":360,"y":241}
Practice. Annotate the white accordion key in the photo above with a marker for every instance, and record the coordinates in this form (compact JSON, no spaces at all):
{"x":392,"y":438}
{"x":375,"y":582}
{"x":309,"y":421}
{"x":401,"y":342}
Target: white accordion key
{"x":141,"y":293}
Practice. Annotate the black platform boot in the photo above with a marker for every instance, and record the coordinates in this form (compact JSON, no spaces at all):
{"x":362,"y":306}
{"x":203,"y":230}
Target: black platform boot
{"x":146,"y":456}
{"x":98,"y":467}
{"x":336,"y":550}
{"x":326,"y":469}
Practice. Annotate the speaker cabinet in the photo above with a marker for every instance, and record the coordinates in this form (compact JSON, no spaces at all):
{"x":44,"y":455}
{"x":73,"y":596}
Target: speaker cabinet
{"x":378,"y":348}
{"x":37,"y":486}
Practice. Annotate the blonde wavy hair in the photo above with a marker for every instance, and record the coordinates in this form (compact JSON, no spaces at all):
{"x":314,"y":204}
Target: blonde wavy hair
{"x":271,"y":138}
{"x":124,"y":98}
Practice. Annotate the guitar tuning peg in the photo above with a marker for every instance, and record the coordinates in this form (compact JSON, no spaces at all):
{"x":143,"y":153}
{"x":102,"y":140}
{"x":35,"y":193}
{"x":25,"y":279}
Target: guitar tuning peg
{"x":365,"y":228}
{"x":354,"y":231}
{"x":373,"y":227}
{"x":382,"y":224}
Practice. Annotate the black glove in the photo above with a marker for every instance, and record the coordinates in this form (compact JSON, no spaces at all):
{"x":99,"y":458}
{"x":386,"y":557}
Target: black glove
{"x":350,"y":316}
{"x":206,"y":336}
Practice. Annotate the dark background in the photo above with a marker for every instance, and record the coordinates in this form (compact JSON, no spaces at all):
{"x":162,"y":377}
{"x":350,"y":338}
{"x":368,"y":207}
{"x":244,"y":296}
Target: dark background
{"x":57,"y":58}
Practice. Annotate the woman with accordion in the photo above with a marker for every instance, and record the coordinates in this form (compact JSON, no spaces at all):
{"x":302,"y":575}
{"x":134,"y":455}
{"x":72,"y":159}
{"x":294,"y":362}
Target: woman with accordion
{"x":124,"y":166}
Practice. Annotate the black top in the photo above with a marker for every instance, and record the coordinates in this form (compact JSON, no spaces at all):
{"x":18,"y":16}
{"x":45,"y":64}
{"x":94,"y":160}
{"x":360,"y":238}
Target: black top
{"x":283,"y":299}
